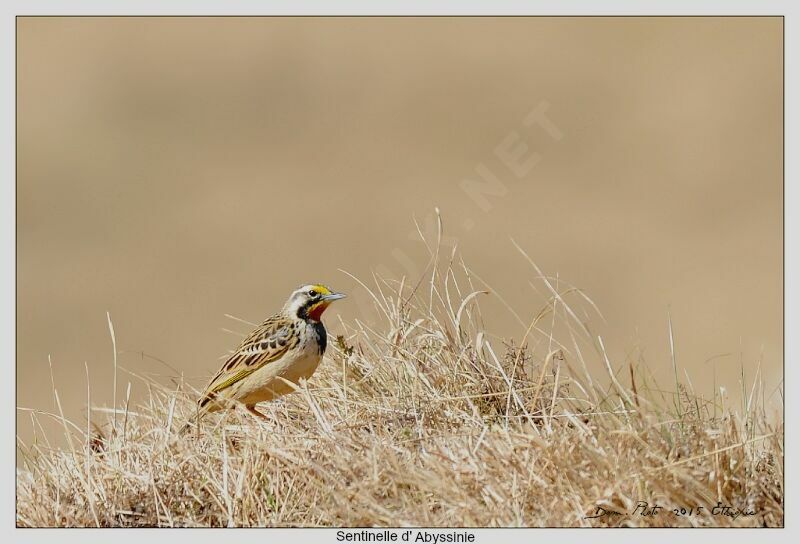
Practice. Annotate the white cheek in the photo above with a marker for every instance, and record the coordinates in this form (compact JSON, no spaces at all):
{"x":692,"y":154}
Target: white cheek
{"x":295,"y":304}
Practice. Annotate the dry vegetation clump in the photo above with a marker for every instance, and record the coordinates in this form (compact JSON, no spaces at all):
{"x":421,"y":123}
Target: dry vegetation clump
{"x":426,"y":419}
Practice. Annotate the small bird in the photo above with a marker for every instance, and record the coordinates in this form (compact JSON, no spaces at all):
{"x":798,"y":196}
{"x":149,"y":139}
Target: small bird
{"x":286,"y":347}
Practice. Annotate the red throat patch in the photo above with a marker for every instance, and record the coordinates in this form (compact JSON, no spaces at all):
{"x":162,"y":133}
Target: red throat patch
{"x":316,"y":311}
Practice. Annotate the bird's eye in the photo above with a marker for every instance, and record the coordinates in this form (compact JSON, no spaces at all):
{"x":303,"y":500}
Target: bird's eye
{"x":312,"y":293}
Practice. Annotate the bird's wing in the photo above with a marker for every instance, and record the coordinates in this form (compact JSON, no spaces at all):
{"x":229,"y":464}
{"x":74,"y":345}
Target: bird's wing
{"x":267,"y":343}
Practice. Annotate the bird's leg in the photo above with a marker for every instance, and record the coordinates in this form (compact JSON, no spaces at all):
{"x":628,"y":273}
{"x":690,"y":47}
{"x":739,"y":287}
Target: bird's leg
{"x":252,"y":409}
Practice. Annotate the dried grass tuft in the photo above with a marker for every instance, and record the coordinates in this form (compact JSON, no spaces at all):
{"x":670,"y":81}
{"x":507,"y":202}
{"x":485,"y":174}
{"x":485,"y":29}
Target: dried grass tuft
{"x":425,"y":420}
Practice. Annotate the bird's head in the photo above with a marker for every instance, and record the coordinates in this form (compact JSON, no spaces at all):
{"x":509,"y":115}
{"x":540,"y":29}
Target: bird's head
{"x":310,"y":301}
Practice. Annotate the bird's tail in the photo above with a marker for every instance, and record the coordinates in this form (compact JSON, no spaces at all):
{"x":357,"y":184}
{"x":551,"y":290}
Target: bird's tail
{"x":193,"y":421}
{"x":204,"y":405}
{"x":186,"y":428}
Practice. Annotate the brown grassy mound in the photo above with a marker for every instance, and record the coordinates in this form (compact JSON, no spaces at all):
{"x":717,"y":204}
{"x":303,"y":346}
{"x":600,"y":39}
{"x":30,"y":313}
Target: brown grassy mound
{"x":428,"y":420}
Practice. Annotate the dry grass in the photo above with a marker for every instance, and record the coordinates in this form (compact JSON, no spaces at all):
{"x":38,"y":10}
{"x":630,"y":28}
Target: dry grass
{"x":426,"y":420}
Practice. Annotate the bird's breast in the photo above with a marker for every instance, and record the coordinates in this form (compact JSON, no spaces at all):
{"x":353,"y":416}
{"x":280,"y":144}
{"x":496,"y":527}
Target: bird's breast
{"x":316,"y":331}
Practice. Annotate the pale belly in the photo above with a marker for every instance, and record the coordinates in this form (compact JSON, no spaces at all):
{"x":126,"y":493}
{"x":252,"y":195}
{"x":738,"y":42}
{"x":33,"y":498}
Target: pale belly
{"x":268,"y":382}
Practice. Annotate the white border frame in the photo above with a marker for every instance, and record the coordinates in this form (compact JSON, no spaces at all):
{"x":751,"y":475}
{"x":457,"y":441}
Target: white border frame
{"x":11,"y":8}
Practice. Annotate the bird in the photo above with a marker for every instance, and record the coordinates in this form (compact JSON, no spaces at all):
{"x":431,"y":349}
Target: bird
{"x":285,"y":347}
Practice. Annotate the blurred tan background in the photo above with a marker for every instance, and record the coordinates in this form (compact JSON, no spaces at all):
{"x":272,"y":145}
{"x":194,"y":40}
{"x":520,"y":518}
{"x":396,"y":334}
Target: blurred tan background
{"x":173,"y":170}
